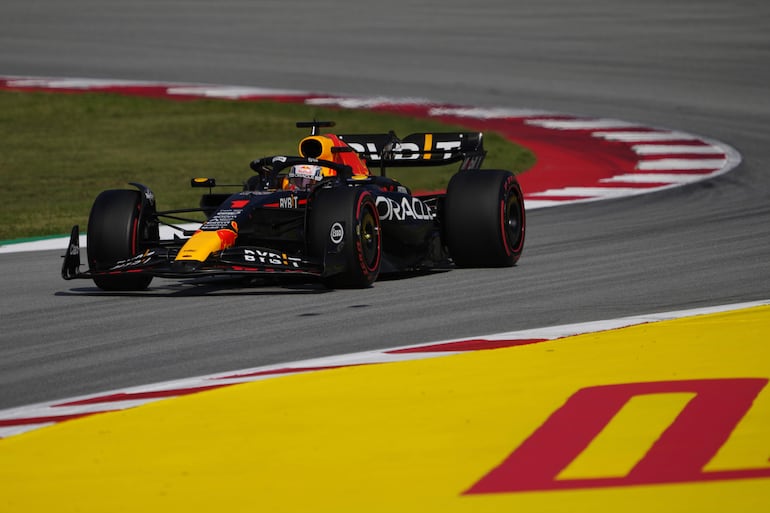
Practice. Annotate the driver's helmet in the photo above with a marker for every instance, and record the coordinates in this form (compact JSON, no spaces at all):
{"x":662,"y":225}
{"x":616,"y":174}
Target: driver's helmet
{"x":304,"y":176}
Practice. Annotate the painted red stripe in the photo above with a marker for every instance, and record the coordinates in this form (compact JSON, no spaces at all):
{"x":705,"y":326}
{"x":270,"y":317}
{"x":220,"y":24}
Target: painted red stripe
{"x":133,"y":396}
{"x":24,"y":421}
{"x":469,"y":345}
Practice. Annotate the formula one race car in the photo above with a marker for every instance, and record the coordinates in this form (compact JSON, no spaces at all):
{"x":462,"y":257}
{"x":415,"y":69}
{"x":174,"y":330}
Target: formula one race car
{"x":323,"y":215}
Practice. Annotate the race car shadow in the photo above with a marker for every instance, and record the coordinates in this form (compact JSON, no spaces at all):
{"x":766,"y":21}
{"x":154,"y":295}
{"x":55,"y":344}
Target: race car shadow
{"x":229,"y":286}
{"x":207,"y":287}
{"x":406,"y":275}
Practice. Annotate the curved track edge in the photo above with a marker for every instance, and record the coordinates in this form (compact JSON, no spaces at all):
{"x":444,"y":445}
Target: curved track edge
{"x":578,"y":159}
{"x":15,"y":421}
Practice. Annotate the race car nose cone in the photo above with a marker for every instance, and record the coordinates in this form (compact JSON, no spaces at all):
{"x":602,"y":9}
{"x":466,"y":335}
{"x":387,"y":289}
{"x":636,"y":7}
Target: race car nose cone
{"x":185,"y":266}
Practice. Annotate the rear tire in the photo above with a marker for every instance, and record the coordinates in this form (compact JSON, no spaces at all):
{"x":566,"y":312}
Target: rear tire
{"x":348,"y":217}
{"x":484,"y":219}
{"x":117,"y":230}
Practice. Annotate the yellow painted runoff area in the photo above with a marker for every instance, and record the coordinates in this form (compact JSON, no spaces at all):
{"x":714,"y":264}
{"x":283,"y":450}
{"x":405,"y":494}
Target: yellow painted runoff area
{"x":669,"y":416}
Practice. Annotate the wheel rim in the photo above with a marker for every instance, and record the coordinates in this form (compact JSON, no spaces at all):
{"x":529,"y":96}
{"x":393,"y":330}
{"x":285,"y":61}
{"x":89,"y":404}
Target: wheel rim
{"x":369,"y":236}
{"x":512,"y":221}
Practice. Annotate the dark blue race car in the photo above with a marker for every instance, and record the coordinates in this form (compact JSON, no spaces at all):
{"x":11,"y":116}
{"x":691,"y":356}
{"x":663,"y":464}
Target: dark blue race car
{"x":329,"y":214}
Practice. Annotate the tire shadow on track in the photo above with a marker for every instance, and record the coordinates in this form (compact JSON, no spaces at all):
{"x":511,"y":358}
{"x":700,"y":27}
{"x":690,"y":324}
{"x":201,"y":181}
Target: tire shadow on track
{"x":197,"y":289}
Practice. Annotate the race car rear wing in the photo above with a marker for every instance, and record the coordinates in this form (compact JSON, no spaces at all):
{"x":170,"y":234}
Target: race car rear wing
{"x":420,"y":149}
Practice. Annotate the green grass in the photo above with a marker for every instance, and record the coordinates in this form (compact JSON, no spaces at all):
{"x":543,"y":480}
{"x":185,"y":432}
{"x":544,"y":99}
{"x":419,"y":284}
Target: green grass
{"x":58,"y":151}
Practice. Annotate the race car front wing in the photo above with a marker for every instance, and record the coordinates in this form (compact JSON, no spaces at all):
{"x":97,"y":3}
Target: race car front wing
{"x":241,"y":260}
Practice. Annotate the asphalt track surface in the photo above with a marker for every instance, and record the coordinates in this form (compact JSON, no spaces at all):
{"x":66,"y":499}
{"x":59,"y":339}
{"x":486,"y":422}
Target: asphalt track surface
{"x":698,"y":66}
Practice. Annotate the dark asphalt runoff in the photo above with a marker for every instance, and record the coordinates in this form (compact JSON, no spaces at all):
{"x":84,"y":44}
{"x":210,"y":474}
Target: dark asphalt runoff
{"x":699,"y":66}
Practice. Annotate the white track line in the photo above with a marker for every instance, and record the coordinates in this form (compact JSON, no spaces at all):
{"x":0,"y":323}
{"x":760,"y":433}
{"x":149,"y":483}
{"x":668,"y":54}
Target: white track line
{"x":587,"y":192}
{"x":673,"y":149}
{"x":231,"y":92}
{"x":488,"y":113}
{"x":366,"y":103}
{"x":664,"y":178}
{"x":681,"y":164}
{"x":581,"y":124}
{"x":645,"y":136}
{"x":76,"y":83}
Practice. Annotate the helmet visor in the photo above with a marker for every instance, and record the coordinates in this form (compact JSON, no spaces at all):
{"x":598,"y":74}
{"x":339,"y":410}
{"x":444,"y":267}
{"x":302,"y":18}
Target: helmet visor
{"x":303,"y":176}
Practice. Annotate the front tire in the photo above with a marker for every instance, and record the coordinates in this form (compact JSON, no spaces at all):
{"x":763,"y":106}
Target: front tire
{"x":484,"y":219}
{"x":117,"y":230}
{"x":347,"y":218}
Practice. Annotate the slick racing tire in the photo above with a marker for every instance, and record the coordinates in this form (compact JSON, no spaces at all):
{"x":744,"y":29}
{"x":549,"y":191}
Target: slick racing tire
{"x":484,"y":219}
{"x":117,"y":230}
{"x":344,"y":230}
